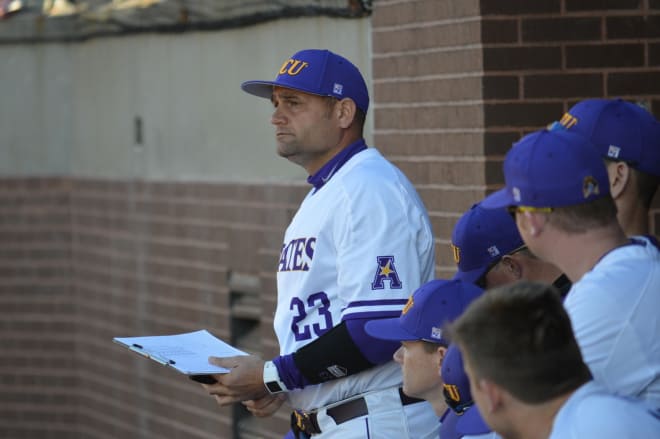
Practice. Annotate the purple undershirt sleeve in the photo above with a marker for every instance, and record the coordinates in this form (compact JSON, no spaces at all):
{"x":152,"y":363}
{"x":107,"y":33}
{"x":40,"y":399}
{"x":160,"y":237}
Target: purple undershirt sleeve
{"x":374,"y":350}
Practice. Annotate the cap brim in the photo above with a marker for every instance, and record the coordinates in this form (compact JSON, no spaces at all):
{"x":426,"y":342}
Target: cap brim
{"x":471,"y":423}
{"x":498,"y":200}
{"x":388,"y":329}
{"x":470,"y":276}
{"x":263,"y":89}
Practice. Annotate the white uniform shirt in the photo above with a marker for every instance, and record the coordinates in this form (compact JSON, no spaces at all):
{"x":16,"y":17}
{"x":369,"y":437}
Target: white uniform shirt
{"x":356,"y":248}
{"x":591,"y":412}
{"x":615,"y":312}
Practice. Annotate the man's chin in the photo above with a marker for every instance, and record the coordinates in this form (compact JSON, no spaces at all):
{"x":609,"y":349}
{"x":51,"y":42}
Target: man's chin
{"x":409,"y":392}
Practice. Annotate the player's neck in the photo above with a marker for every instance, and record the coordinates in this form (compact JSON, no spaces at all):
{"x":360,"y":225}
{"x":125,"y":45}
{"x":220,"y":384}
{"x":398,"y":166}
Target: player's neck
{"x":535,"y":421}
{"x":576,"y":254}
{"x":633,"y":217}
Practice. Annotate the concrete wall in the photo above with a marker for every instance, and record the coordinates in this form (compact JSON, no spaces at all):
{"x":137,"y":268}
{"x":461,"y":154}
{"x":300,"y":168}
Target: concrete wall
{"x":71,"y":109}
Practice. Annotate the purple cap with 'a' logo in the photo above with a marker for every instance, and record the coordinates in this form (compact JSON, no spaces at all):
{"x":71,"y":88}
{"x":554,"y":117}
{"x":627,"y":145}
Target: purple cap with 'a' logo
{"x":319,"y":72}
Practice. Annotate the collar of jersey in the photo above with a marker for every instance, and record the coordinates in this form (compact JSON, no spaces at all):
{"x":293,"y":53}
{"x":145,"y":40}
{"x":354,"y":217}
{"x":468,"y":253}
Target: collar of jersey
{"x":323,"y":175}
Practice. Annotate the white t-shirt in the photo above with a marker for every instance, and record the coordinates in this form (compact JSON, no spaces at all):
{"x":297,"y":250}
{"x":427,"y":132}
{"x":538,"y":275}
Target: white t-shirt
{"x":615,"y":313}
{"x":591,"y":412}
{"x":356,"y":248}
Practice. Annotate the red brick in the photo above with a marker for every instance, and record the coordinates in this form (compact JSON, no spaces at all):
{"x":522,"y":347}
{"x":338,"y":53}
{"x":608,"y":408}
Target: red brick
{"x":521,"y":114}
{"x":500,"y":87}
{"x":601,"y":5}
{"x":561,"y":86}
{"x":642,"y":83}
{"x":495,"y":31}
{"x":654,"y":54}
{"x":516,"y":7}
{"x":605,"y":55}
{"x":449,"y":116}
{"x":432,"y":36}
{"x":498,"y":143}
{"x":460,"y":142}
{"x":522,"y":58}
{"x":420,"y":11}
{"x":561,"y":29}
{"x":428,"y":90}
{"x":455,"y":61}
{"x":633,"y":27}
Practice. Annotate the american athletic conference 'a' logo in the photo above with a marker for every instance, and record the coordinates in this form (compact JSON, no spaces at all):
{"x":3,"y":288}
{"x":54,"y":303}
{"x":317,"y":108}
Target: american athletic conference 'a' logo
{"x":386,"y":271}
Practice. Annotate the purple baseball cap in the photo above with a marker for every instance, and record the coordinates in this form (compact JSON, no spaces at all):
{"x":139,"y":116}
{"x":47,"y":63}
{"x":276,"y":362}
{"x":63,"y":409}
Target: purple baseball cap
{"x":472,"y":423}
{"x":619,"y":130}
{"x":479,"y":240}
{"x":551,"y":169}
{"x":319,"y":72}
{"x":448,"y":423}
{"x":456,"y":385}
{"x":430,"y":307}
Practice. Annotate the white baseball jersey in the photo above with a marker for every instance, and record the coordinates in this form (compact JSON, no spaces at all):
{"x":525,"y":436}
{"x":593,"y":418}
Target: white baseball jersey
{"x":615,"y":312}
{"x":591,"y":412}
{"x":356,"y":248}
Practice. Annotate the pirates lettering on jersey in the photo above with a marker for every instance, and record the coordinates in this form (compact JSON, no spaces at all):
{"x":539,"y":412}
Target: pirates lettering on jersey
{"x":297,"y":255}
{"x":386,"y":271}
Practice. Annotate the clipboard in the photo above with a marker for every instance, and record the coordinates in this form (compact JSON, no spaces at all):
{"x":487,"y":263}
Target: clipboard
{"x":186,"y":353}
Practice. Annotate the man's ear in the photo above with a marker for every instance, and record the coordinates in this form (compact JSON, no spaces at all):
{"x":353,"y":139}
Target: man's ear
{"x":513,"y":266}
{"x":441,"y":351}
{"x":493,"y":395}
{"x":532,"y":223}
{"x":619,"y":174}
{"x":346,"y":111}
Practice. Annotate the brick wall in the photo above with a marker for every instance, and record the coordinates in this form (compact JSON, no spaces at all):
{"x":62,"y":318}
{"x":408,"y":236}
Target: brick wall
{"x":165,"y":258}
{"x":87,"y":260}
{"x":428,"y":120}
{"x":38,"y":378}
{"x":540,"y":58}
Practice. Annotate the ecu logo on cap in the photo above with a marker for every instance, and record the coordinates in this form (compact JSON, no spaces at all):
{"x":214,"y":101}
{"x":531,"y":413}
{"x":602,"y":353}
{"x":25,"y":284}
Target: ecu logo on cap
{"x":589,"y":186}
{"x":292,"y":67}
{"x":457,"y":253}
{"x":452,"y":392}
{"x":568,"y":120}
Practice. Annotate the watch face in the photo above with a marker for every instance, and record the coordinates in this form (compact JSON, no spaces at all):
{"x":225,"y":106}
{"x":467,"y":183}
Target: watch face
{"x":273,"y":387}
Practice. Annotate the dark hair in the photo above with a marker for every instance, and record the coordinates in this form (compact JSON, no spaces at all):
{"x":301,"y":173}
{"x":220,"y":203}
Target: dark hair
{"x":580,"y":218}
{"x":520,"y":337}
{"x":430,"y":347}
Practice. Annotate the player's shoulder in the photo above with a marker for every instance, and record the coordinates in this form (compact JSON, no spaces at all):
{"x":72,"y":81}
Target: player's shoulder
{"x":371,"y":171}
{"x":593,"y":412}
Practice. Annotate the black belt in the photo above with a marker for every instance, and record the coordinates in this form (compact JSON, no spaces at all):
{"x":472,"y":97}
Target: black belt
{"x":307,"y":423}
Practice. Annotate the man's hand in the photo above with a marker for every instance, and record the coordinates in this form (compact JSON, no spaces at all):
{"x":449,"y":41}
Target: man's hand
{"x":265,"y":406}
{"x":244,"y":381}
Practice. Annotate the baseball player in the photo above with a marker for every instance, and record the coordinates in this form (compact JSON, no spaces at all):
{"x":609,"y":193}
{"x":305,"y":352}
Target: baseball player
{"x":420,"y":331}
{"x":359,"y":242}
{"x":558,"y":187}
{"x":628,"y":138}
{"x":535,"y":384}
{"x":489,"y":252}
